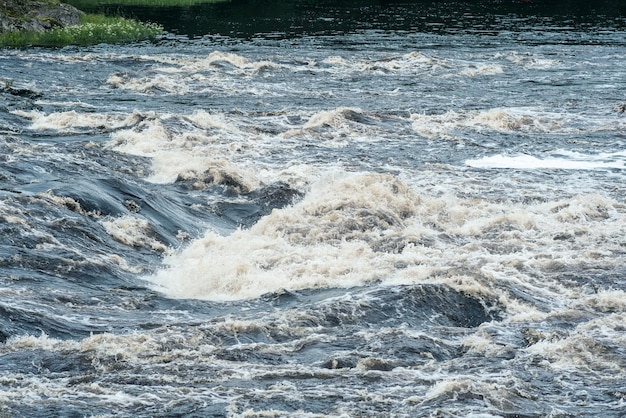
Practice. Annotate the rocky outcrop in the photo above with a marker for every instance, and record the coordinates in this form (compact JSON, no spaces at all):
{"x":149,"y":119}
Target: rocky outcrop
{"x":36,"y":15}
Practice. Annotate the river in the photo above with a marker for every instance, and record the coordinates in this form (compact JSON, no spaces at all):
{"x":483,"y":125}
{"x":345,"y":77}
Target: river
{"x":318,"y":209}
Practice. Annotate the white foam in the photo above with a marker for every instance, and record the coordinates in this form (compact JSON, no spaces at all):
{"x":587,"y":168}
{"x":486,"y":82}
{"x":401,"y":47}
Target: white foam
{"x":334,"y":118}
{"x":413,"y":63}
{"x":204,"y":150}
{"x":530,"y":60}
{"x":133,"y":231}
{"x":354,"y":229}
{"x":608,"y":301}
{"x":157,"y":82}
{"x":233,"y":59}
{"x":584,"y":346}
{"x":68,"y":121}
{"x":482,"y":70}
{"x":508,"y":120}
{"x":574,"y":162}
{"x":293,"y":248}
{"x":337,"y":128}
{"x":210,"y":63}
{"x":12,"y":215}
{"x":170,"y":166}
{"x":203,"y":145}
{"x":498,"y":119}
{"x":208,"y":120}
{"x":183,"y":74}
{"x":77,"y":104}
{"x":69,"y":203}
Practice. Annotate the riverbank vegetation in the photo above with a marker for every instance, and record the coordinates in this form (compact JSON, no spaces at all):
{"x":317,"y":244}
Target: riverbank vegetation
{"x":90,"y":4}
{"x":92,"y":29}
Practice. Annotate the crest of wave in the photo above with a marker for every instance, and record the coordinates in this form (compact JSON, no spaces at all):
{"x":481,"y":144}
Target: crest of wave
{"x":238,"y":61}
{"x":354,"y":229}
{"x":412,"y":62}
{"x":72,"y":120}
{"x":503,"y":120}
{"x":185,"y":75}
{"x":327,"y":240}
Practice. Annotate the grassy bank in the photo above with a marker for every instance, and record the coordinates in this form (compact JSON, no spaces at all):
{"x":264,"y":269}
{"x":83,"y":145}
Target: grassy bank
{"x":93,"y":29}
{"x":90,"y":4}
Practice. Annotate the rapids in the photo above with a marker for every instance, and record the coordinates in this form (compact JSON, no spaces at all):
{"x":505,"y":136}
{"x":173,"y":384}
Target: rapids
{"x":311,"y":210}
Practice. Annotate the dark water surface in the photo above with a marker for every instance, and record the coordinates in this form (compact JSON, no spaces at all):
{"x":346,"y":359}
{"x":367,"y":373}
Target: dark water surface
{"x":275,"y":18}
{"x":314,"y":209}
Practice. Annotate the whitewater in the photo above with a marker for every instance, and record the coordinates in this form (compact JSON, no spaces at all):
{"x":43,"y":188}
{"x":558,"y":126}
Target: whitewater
{"x":367,"y":223}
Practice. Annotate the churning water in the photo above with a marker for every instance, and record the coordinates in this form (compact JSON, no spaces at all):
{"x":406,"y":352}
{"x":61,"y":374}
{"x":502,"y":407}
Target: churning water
{"x":354,"y":210}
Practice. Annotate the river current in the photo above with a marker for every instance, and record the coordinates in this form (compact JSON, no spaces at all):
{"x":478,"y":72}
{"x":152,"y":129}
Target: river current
{"x":359,"y":210}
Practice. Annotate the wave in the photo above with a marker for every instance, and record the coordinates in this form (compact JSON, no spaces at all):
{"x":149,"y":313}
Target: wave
{"x":72,"y":121}
{"x":133,"y":232}
{"x":499,"y":119}
{"x":184,"y":148}
{"x":355,"y":229}
{"x":218,"y":71}
{"x":183,"y":75}
{"x":560,"y":160}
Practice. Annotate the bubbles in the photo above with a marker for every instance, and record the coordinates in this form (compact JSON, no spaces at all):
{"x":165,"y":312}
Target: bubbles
{"x":351,"y":230}
{"x":558,"y":160}
{"x":417,"y":223}
{"x":72,"y":121}
{"x":134,"y":232}
{"x":502,"y":120}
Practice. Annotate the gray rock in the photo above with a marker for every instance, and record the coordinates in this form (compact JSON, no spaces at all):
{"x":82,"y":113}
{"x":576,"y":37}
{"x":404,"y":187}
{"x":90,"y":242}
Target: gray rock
{"x":36,"y":15}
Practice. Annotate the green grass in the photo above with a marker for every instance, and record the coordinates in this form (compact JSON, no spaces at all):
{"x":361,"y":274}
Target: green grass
{"x":90,"y":4}
{"x":94,"y":29}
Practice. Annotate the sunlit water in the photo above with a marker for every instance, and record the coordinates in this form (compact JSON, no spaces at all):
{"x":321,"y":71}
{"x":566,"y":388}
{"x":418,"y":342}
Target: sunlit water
{"x":362,"y":211}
